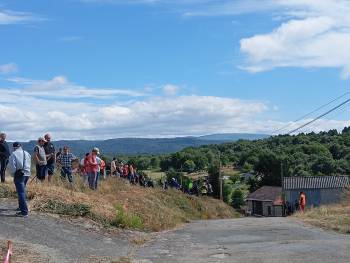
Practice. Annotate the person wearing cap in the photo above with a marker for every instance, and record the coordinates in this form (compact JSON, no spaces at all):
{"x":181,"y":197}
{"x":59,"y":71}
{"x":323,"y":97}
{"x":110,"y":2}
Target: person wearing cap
{"x":40,"y":159}
{"x":50,"y":156}
{"x":91,"y":167}
{"x":19,"y":164}
{"x":4,"y":156}
{"x":65,"y":159}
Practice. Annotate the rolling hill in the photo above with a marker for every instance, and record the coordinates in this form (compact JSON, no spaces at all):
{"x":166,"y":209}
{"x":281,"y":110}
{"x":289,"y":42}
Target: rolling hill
{"x":138,"y":146}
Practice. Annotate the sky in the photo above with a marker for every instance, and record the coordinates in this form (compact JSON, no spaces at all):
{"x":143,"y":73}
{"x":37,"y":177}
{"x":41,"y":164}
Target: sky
{"x":99,"y":69}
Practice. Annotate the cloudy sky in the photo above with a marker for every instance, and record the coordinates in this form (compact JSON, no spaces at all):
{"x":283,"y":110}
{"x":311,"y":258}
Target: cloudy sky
{"x":97,"y":69}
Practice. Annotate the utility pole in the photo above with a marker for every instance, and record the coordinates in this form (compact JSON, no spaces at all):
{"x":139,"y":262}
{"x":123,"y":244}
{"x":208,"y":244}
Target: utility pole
{"x":220,"y":178}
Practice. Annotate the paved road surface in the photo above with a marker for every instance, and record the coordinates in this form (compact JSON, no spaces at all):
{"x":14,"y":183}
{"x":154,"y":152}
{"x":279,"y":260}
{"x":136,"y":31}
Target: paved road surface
{"x":254,"y":240}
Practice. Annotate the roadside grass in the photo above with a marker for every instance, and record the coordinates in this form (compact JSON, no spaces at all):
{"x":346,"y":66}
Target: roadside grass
{"x":117,"y":203}
{"x":333,"y":217}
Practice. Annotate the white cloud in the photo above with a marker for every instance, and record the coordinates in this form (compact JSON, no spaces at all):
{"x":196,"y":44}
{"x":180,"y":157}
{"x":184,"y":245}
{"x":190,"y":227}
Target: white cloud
{"x":170,"y":90}
{"x":8,"y":17}
{"x":8,"y":68}
{"x":25,"y":115}
{"x":60,"y":87}
{"x":314,"y":35}
{"x":27,"y":112}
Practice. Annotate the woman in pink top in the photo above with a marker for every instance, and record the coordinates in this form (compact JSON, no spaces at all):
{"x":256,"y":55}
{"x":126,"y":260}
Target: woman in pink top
{"x":91,"y":167}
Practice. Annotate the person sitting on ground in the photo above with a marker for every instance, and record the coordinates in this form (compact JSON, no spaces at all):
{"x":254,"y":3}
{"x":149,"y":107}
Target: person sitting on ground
{"x":174,"y":184}
{"x":65,"y":160}
{"x":19,"y":164}
{"x":40,"y":159}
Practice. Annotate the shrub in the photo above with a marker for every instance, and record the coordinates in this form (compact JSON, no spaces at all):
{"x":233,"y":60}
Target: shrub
{"x":57,"y":207}
{"x":125,"y":220}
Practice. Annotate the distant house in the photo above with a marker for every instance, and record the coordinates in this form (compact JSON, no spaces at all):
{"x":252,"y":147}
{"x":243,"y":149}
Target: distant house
{"x":319,"y":190}
{"x":266,"y":201}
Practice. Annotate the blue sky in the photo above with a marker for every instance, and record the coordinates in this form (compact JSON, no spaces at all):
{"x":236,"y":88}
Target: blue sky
{"x":148,"y":68}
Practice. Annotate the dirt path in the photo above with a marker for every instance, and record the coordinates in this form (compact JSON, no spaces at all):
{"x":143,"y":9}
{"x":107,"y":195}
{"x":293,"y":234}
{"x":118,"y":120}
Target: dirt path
{"x":49,"y":239}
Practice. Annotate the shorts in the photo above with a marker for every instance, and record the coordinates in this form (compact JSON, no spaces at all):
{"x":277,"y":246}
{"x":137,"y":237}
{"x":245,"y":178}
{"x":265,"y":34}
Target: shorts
{"x":50,"y":168}
{"x":41,"y":172}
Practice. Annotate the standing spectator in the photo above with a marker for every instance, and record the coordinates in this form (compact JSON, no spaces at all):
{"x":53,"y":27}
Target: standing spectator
{"x":114,"y":167}
{"x":20,"y":162}
{"x":4,"y":156}
{"x":50,"y":156}
{"x":40,"y":159}
{"x":302,"y":202}
{"x":91,"y":167}
{"x":103,"y":168}
{"x":98,"y":174}
{"x":83,"y":173}
{"x":65,"y":160}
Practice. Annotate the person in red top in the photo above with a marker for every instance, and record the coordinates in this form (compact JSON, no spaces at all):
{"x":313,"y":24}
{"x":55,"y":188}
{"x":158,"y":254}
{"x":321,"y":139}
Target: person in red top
{"x":302,"y":201}
{"x":91,"y":167}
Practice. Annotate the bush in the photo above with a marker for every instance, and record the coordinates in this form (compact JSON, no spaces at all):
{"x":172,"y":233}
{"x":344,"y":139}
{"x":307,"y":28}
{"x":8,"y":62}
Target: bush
{"x":57,"y":207}
{"x":125,"y":220}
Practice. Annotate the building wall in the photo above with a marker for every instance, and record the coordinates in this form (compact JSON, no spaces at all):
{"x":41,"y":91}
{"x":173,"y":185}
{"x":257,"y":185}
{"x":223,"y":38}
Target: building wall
{"x":275,"y":210}
{"x":266,"y":206}
{"x":315,"y":197}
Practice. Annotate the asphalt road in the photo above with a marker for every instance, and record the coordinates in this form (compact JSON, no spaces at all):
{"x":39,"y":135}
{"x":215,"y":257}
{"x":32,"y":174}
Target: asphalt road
{"x":255,"y":240}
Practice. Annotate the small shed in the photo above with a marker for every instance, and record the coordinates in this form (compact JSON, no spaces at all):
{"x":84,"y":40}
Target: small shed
{"x":266,"y":201}
{"x":319,"y":190}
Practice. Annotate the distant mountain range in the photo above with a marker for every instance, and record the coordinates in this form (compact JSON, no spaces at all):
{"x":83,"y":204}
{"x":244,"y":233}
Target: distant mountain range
{"x":138,"y":146}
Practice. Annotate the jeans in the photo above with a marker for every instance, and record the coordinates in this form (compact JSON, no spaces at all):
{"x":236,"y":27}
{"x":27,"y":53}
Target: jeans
{"x":91,"y":178}
{"x":66,"y":172}
{"x":50,"y":167}
{"x":3,"y":164}
{"x":96,"y":179}
{"x":20,"y":183}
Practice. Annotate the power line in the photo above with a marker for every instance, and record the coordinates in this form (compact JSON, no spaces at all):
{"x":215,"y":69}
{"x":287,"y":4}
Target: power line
{"x":319,"y":117}
{"x":312,"y":112}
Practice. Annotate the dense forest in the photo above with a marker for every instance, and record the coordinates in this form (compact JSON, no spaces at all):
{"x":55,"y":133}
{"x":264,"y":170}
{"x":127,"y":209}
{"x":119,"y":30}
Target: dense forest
{"x":325,"y":153}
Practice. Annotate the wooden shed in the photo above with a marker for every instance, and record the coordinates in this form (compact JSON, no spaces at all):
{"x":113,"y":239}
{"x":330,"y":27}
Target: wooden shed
{"x":319,"y":190}
{"x":266,"y":201}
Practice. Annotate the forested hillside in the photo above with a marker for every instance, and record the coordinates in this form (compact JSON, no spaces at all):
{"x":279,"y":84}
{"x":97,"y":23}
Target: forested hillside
{"x":325,"y":153}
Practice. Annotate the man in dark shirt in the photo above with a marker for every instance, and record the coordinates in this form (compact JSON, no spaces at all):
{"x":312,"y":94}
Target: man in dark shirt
{"x":4,"y":156}
{"x":50,"y":156}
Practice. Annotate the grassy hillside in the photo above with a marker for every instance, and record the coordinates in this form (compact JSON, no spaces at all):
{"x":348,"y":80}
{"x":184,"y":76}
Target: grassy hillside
{"x":333,"y":217}
{"x":119,"y":204}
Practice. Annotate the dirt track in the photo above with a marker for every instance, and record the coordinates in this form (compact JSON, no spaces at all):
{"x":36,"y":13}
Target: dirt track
{"x":279,"y":240}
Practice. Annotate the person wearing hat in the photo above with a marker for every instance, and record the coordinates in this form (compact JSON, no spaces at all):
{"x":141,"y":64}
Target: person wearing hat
{"x":19,"y":164}
{"x":4,"y":156}
{"x":91,"y":167}
{"x":40,"y":159}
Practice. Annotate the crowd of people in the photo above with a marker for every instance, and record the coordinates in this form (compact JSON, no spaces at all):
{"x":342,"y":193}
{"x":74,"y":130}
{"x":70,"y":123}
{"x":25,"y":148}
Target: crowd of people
{"x":46,"y":159}
{"x":92,"y":168}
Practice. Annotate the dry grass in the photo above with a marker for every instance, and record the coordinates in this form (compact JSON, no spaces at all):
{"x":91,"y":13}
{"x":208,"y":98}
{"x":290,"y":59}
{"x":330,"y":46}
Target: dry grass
{"x":334,"y":217}
{"x":157,"y":209}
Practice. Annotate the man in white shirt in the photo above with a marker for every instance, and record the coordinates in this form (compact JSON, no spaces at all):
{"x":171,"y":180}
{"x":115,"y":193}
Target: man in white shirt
{"x":19,"y":164}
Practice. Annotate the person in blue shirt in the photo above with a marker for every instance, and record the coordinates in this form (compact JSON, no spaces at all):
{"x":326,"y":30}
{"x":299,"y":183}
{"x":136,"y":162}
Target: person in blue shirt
{"x":65,"y":160}
{"x":19,"y":164}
